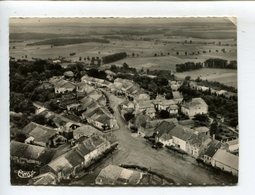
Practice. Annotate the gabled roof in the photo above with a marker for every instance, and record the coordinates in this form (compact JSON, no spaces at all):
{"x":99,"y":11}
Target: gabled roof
{"x":42,"y":135}
{"x":88,"y":145}
{"x":179,"y":132}
{"x":164,"y":128}
{"x":212,"y":149}
{"x":74,"y":157}
{"x":233,"y":142}
{"x":32,"y":152}
{"x":113,"y":174}
{"x":44,"y":179}
{"x":86,"y":130}
{"x":226,"y":158}
{"x":199,"y":140}
{"x":195,"y":102}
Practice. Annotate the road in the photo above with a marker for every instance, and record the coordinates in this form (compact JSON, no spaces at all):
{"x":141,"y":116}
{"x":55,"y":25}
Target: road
{"x":136,"y":151}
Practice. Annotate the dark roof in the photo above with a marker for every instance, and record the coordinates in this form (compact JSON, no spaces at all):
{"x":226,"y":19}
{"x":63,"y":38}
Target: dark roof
{"x":32,"y":152}
{"x":213,"y":147}
{"x":74,"y":157}
{"x":42,"y":135}
{"x":88,"y":145}
{"x":180,"y":133}
{"x":164,"y":128}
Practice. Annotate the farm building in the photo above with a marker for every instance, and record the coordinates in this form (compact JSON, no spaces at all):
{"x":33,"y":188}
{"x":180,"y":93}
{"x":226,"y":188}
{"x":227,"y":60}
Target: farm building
{"x":193,"y":107}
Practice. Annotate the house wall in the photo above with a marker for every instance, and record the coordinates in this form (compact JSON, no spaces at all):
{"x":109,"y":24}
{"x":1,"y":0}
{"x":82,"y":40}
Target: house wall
{"x":179,"y":143}
{"x":195,"y":110}
{"x":233,"y":147}
{"x":166,"y":142}
{"x":224,"y":167}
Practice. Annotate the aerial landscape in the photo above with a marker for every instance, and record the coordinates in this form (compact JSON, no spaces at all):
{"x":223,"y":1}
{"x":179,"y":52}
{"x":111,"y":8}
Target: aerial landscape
{"x":123,"y":101}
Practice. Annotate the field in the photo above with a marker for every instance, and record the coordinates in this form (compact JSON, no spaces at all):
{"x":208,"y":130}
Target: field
{"x":225,"y":76}
{"x":150,"y":45}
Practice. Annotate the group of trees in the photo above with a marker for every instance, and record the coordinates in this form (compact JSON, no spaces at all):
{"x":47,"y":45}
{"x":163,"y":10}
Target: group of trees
{"x":188,"y":66}
{"x":123,"y":69}
{"x":220,"y":63}
{"x":25,"y":79}
{"x":157,"y":85}
{"x":217,"y":105}
{"x":114,"y":57}
{"x":100,"y":74}
{"x":215,"y":85}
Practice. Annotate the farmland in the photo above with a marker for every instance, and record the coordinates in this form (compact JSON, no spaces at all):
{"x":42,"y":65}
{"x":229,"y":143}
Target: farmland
{"x":225,"y":76}
{"x":148,"y":45}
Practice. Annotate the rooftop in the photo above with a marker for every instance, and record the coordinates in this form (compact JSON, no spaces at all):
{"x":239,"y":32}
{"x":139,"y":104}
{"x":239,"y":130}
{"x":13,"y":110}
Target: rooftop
{"x":195,"y":102}
{"x":226,"y":158}
{"x":113,"y":174}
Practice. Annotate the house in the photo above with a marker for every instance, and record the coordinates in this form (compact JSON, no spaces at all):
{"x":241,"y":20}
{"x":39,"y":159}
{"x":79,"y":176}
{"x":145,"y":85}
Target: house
{"x":177,"y":97}
{"x":81,"y":156}
{"x":127,"y":105}
{"x":201,"y":130}
{"x":172,"y":134}
{"x":85,"y":131}
{"x":42,"y":136}
{"x":63,"y":86}
{"x":146,"y":126}
{"x":225,"y":161}
{"x":69,"y":74}
{"x":44,"y":179}
{"x":141,"y":97}
{"x":115,"y":175}
{"x":197,"y":143}
{"x":180,"y":137}
{"x":221,"y":92}
{"x":175,"y":85}
{"x":22,"y":153}
{"x":83,"y":88}
{"x":95,"y":81}
{"x":38,"y":107}
{"x":193,"y":107}
{"x":100,"y":117}
{"x":173,"y":109}
{"x":163,"y":104}
{"x":233,"y":145}
{"x":208,"y":153}
{"x":162,"y":132}
{"x":147,"y":107}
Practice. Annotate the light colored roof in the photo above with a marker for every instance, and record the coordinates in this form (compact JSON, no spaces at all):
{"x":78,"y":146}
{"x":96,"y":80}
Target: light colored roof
{"x":113,"y":174}
{"x":194,"y":103}
{"x":69,"y":73}
{"x":201,"y":129}
{"x":44,"y":179}
{"x":177,"y":94}
{"x":233,"y":142}
{"x":145,"y":104}
{"x":226,"y":158}
{"x":85,"y":130}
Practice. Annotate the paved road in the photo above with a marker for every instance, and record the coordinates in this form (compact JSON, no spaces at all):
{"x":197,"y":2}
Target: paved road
{"x":136,"y":151}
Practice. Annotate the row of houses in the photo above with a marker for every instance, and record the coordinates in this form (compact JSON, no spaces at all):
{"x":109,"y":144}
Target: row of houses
{"x":188,"y":108}
{"x":24,"y":154}
{"x":43,"y":136}
{"x":198,"y":143}
{"x":224,"y":93}
{"x":82,"y":155}
{"x":92,"y":107}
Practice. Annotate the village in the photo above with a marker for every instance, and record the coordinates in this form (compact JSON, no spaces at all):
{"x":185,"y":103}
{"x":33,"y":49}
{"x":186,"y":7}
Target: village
{"x":90,"y":125}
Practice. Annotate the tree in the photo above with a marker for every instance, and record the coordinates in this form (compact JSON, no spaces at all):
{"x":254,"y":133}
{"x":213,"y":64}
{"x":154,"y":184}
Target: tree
{"x":201,"y":119}
{"x":164,"y":114}
{"x":20,"y":137}
{"x":128,"y":116}
{"x":169,"y":96}
{"x":187,"y":78}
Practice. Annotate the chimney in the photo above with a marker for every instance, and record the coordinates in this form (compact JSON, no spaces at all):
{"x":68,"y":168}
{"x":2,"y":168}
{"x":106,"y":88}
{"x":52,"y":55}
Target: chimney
{"x":213,"y":136}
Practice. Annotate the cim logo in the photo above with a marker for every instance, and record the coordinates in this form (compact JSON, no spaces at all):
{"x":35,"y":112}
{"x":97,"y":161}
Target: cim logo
{"x":25,"y":174}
